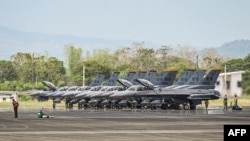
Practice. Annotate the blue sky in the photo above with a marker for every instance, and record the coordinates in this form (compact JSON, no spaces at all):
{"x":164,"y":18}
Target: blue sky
{"x":198,"y":23}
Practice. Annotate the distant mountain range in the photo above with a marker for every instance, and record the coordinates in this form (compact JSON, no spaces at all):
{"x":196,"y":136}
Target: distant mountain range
{"x":14,"y":41}
{"x":234,"y":49}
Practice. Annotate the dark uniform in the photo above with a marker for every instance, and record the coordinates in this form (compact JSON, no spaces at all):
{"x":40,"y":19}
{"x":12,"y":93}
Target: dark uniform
{"x":15,"y":106}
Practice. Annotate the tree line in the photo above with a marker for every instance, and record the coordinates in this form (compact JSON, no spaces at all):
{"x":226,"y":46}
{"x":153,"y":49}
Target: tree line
{"x":25,"y":71}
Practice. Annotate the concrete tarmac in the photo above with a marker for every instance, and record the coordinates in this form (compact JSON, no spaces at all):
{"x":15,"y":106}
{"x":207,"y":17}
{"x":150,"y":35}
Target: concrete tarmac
{"x":119,"y":125}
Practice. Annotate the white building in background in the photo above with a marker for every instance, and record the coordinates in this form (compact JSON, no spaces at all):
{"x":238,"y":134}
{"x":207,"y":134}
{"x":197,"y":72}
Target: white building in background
{"x":230,"y":83}
{"x":7,"y":96}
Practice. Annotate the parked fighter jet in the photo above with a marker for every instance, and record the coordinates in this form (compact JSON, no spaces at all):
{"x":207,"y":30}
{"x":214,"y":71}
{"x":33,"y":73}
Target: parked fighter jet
{"x":51,"y":87}
{"x":100,"y":97}
{"x":103,"y":97}
{"x":189,"y":78}
{"x":165,"y":79}
{"x":189,"y":97}
{"x":84,"y":97}
{"x":57,"y":96}
{"x":42,"y":94}
{"x":119,"y":99}
{"x":55,"y":93}
{"x":81,"y":89}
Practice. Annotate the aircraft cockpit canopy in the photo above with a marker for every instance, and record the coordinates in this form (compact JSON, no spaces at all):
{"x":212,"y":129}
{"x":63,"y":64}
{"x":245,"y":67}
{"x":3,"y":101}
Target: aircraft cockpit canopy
{"x":124,"y":82}
{"x":145,"y":83}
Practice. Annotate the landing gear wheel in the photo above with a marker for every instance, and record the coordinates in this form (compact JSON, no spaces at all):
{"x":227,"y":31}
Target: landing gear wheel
{"x":186,"y":107}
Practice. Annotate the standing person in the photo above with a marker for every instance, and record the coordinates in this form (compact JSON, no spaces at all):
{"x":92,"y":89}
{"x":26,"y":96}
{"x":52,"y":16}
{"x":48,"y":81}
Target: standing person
{"x":15,"y":106}
{"x":225,"y":102}
{"x":235,"y":101}
{"x":54,"y":105}
{"x":206,"y":104}
{"x":236,"y":107}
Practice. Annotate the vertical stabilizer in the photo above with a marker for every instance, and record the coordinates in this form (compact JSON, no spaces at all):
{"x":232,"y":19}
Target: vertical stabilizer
{"x":98,"y":80}
{"x":130,"y":75}
{"x":211,"y":77}
{"x":140,"y":74}
{"x":166,"y":78}
{"x":150,"y":76}
{"x":208,"y":81}
{"x":196,"y":78}
{"x":112,"y":79}
{"x":183,"y":79}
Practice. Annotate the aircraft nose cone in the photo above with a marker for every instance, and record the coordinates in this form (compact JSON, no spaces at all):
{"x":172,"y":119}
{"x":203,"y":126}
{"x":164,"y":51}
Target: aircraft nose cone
{"x":36,"y":93}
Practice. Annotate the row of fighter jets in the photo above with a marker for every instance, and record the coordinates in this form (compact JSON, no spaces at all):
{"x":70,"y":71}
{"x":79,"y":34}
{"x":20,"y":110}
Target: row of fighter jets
{"x":140,"y":89}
